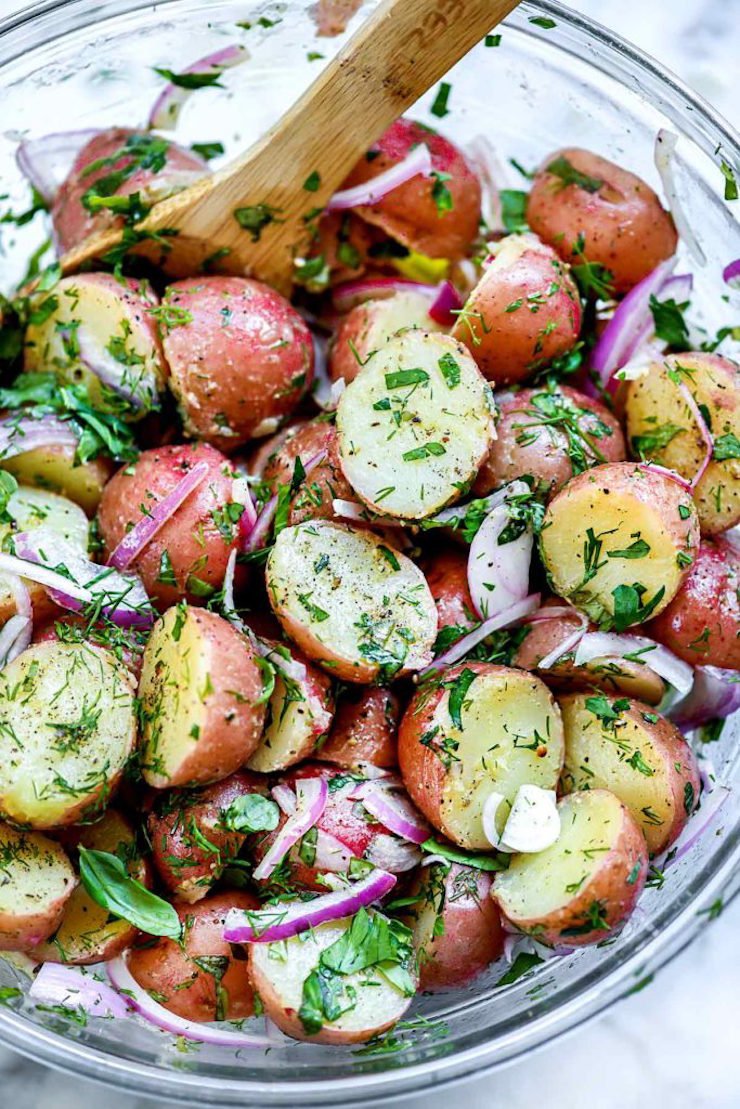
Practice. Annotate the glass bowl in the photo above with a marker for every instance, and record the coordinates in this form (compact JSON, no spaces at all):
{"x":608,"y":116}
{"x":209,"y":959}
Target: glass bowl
{"x":79,"y":64}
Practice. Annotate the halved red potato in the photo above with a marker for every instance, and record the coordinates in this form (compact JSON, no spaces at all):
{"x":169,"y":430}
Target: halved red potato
{"x":119,"y":161}
{"x":662,"y":426}
{"x":415,"y":425}
{"x":279,"y":970}
{"x":361,"y":610}
{"x":436,"y":215}
{"x":54,"y":468}
{"x":621,"y":745}
{"x":702,"y":623}
{"x":127,"y":644}
{"x":203,"y":979}
{"x":299,"y":714}
{"x":474,"y":730}
{"x":29,"y":509}
{"x":102,"y":333}
{"x":36,"y":882}
{"x":617,"y":542}
{"x":523,"y":313}
{"x":274,"y":461}
{"x":202,"y":699}
{"x":611,"y":674}
{"x":65,"y":741}
{"x":190,"y":835}
{"x":240,"y":360}
{"x":88,"y":933}
{"x":551,"y":433}
{"x":583,"y":205}
{"x":367,"y":327}
{"x":455,"y":923}
{"x":446,"y":572}
{"x":324,"y":481}
{"x":187,"y":557}
{"x":577,"y":891}
{"x":364,"y":729}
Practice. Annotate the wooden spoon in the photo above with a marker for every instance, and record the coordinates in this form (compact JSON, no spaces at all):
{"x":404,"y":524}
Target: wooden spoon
{"x":395,"y":56}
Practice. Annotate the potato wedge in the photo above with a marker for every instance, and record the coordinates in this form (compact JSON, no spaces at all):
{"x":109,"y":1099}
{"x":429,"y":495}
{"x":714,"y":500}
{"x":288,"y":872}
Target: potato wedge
{"x":67,"y":729}
{"x":299,"y":714}
{"x":621,"y":745}
{"x":474,"y":730}
{"x":88,"y":933}
{"x":36,"y":882}
{"x":617,"y":542}
{"x":202,"y":699}
{"x":661,"y":426}
{"x":415,"y":425}
{"x":279,"y":971}
{"x":104,"y":324}
{"x":579,"y":889}
{"x":358,"y":608}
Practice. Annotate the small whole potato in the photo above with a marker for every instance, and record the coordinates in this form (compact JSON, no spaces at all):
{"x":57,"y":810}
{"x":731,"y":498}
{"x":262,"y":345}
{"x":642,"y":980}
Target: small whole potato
{"x":552,"y":434}
{"x":702,"y":623}
{"x":240,"y":357}
{"x":201,"y":980}
{"x":369,"y":326}
{"x":436,"y":215}
{"x":187,"y":557}
{"x":446,"y":571}
{"x":364,"y":729}
{"x":585,"y":206}
{"x":662,"y":426}
{"x":523,"y":313}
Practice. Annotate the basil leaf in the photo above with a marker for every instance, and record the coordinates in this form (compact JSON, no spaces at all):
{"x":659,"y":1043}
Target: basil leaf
{"x":466,"y":858}
{"x":107,"y":881}
{"x":251,"y":813}
{"x":524,"y":962}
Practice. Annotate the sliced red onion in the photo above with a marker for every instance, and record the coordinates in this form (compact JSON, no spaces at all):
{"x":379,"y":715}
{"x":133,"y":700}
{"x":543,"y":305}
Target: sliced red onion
{"x":610,"y":645}
{"x":166,"y":109}
{"x":290,"y":918}
{"x":258,"y":535}
{"x":21,"y":596}
{"x":285,"y":798}
{"x":353,"y":510}
{"x":242,"y":494}
{"x":714,"y":695}
{"x":630,"y":316}
{"x":677,"y":288}
{"x":697,"y":824}
{"x":498,"y":574}
{"x":121,"y":597}
{"x":349,"y":294}
{"x":665,"y":145}
{"x":703,"y":429}
{"x":136,"y":385}
{"x":15,"y":636}
{"x":506,"y":619}
{"x":395,"y":812}
{"x":332,"y":854}
{"x":457,"y":512}
{"x":393,"y":854}
{"x":312,"y":795}
{"x":289,"y":666}
{"x":47,"y":161}
{"x":228,"y":587}
{"x":20,"y":434}
{"x":568,"y":643}
{"x":142,"y":533}
{"x":652,"y":467}
{"x":446,"y":303}
{"x":145,"y":1005}
{"x":493,"y":176}
{"x":550,"y":612}
{"x":74,"y":989}
{"x":731,"y":274}
{"x":417,"y":162}
{"x":491,"y":806}
{"x":322,"y":383}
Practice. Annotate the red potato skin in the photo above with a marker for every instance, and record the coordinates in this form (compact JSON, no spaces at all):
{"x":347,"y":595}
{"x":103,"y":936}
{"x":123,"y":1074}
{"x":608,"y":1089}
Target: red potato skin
{"x":72,"y":221}
{"x":352,"y":328}
{"x":181,"y":822}
{"x":190,"y":537}
{"x":546,"y":459}
{"x":129,"y":650}
{"x":165,"y":967}
{"x":364,"y":729}
{"x":624,"y":225}
{"x":19,"y":933}
{"x":409,"y":213}
{"x":446,"y":572}
{"x":341,"y":238}
{"x":608,"y":886}
{"x":521,"y":315}
{"x":472,"y":936}
{"x":702,"y":623}
{"x":324,"y":481}
{"x":242,"y":363}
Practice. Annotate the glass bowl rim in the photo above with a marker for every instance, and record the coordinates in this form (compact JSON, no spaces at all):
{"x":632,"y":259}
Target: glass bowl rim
{"x":671,"y":932}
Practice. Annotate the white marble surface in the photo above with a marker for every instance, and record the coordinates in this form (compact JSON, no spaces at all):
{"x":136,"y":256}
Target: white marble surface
{"x":675,"y":1043}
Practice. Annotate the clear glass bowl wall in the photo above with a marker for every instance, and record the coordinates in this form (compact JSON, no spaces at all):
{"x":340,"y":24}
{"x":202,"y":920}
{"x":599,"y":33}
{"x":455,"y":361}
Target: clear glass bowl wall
{"x":79,"y":64}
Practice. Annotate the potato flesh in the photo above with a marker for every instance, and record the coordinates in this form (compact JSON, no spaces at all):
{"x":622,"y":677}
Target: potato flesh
{"x":287,"y":965}
{"x":537,"y":885}
{"x":357,"y":604}
{"x":506,"y":722}
{"x":618,"y":520}
{"x":34,"y":872}
{"x":67,"y":728}
{"x":623,"y":760}
{"x":291,"y":733}
{"x":408,"y":449}
{"x":54,"y":468}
